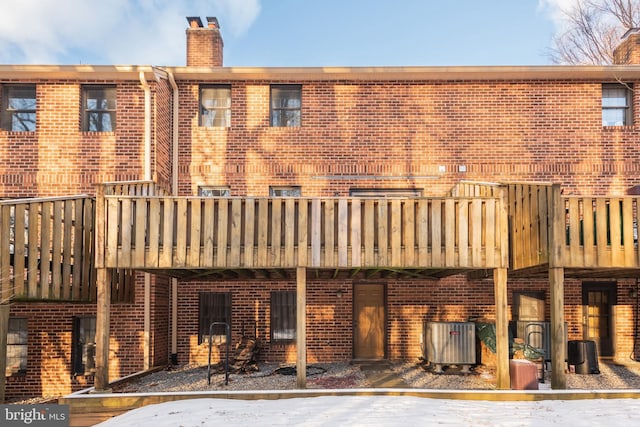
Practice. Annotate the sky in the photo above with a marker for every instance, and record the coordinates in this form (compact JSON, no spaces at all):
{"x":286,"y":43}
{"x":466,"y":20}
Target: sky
{"x":370,"y":411}
{"x":286,"y":33}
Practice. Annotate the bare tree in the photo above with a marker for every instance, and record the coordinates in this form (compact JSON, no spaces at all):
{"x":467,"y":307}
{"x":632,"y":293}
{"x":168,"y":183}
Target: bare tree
{"x":593,"y":30}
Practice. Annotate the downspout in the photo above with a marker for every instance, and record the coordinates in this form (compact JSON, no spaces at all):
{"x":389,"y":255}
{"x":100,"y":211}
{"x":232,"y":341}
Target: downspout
{"x":147,"y":127}
{"x":174,"y":187}
{"x":146,"y":345}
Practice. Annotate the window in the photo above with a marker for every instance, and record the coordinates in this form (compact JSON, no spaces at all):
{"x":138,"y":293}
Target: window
{"x":83,"y":338}
{"x":616,"y":105}
{"x":385,"y":192}
{"x":215,"y":106}
{"x":19,"y":108}
{"x":214,"y":307}
{"x":283,"y":316}
{"x":205,"y":191}
{"x":286,"y":103}
{"x":16,"y":346}
{"x":285,"y":191}
{"x":99,"y":108}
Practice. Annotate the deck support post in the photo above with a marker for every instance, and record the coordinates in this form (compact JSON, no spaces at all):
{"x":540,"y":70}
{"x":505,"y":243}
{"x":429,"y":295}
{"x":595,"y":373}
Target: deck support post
{"x":103,"y":284}
{"x":502,"y":329}
{"x":146,"y":345}
{"x":556,"y":285}
{"x":4,"y":330}
{"x":558,"y":343}
{"x":301,"y":327}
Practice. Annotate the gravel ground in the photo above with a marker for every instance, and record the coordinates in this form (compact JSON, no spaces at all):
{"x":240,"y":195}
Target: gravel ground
{"x":614,"y":375}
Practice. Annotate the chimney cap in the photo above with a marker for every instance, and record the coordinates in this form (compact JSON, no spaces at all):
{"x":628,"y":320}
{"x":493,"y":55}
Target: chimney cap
{"x":194,"y":21}
{"x":213,"y":22}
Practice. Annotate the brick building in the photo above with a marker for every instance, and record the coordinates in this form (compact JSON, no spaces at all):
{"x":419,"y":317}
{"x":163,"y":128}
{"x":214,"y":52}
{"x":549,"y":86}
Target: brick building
{"x":315,"y":159}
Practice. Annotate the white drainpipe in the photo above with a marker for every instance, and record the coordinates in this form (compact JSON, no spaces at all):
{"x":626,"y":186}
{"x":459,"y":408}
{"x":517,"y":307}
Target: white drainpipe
{"x":147,"y":126}
{"x":146,"y":346}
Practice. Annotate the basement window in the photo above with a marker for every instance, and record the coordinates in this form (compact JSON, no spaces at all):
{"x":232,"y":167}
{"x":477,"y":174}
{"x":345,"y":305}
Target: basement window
{"x":83,"y":339}
{"x":215,"y":106}
{"x":18,"y":108}
{"x":213,"y":191}
{"x":285,"y":191}
{"x":283,"y":316}
{"x":616,"y":104}
{"x":17,"y":346}
{"x":286,"y":105}
{"x":385,"y":192}
{"x":214,"y":307}
{"x":99,"y":108}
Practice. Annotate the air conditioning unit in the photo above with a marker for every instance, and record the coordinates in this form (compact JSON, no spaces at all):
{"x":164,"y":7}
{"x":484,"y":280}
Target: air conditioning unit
{"x":449,"y":343}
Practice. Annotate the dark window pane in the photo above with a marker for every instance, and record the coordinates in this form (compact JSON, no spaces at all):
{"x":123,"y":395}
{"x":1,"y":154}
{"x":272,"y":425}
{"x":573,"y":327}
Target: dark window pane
{"x":19,"y":108}
{"x":99,"y":109}
{"x":83,"y":352}
{"x":283,"y":316}
{"x":286,"y":104}
{"x":214,"y":307}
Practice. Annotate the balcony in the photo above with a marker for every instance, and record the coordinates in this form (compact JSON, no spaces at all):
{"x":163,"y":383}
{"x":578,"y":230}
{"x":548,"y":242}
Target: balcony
{"x":438,"y":235}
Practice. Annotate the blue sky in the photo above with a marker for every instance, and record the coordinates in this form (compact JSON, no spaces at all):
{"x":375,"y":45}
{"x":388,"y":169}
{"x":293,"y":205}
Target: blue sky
{"x":282,"y":32}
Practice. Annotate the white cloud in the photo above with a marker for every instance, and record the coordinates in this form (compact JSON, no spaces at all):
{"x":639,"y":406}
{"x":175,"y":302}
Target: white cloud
{"x":555,"y":10}
{"x":111,"y":32}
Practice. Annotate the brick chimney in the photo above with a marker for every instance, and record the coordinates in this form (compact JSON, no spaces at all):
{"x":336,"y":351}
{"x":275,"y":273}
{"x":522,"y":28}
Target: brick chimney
{"x":628,"y":51}
{"x":204,"y":45}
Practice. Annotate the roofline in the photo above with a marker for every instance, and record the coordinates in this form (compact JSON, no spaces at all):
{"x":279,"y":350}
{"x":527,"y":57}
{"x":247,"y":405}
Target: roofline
{"x":79,"y":72}
{"x":443,"y":73}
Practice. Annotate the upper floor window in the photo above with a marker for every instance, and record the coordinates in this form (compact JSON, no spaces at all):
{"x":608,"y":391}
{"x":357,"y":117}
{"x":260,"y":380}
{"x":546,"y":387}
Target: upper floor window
{"x":207,"y":191}
{"x":19,"y":108}
{"x":286,"y":105}
{"x":616,"y":105}
{"x":285,"y":191}
{"x":215,"y":106}
{"x":99,"y":108}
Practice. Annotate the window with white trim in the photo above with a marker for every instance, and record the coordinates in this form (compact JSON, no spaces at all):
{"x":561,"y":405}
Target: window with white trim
{"x":213,"y":191}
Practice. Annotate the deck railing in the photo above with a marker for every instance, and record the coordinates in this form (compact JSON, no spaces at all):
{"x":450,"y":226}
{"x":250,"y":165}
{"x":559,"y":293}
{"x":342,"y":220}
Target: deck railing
{"x":196,"y":232}
{"x":46,"y":248}
{"x":529,"y":222}
{"x":601,"y":231}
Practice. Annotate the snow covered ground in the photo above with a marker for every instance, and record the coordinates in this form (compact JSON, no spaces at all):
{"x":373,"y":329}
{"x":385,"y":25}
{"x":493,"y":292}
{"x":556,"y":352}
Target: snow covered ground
{"x":402,"y":411}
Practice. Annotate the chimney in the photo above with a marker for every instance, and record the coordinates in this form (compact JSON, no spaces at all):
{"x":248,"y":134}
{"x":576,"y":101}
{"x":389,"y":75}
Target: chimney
{"x":628,"y":51}
{"x":204,"y":45}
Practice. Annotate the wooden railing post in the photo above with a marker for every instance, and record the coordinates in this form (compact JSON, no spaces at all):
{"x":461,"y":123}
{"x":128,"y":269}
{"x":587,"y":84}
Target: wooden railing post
{"x":556,"y":285}
{"x":103,"y":299}
{"x":500,"y":296}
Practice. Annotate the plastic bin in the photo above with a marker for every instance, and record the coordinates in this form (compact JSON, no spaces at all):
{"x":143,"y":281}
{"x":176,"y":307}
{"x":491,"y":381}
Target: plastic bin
{"x":583,"y":355}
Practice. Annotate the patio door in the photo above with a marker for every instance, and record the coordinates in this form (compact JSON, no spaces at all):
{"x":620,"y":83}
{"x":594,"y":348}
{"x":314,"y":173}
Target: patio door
{"x":369,"y":321}
{"x":598,"y":323}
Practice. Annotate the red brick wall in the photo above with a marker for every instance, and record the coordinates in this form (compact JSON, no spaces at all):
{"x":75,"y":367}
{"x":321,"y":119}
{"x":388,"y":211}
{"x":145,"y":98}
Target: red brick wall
{"x":499,"y":130}
{"x":329,"y":318}
{"x":60,"y":159}
{"x":49,"y":341}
